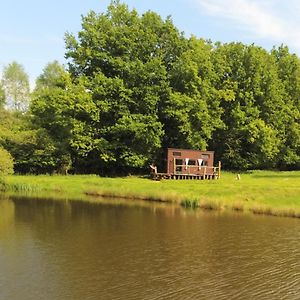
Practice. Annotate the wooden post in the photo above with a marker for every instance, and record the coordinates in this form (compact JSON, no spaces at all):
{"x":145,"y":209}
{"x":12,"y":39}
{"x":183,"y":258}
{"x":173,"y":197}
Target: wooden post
{"x":219,"y":170}
{"x":174,"y":165}
{"x":204,"y":172}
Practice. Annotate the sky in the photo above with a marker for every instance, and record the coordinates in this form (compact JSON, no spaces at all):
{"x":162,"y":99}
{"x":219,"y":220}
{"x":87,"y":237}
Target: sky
{"x":32,"y":31}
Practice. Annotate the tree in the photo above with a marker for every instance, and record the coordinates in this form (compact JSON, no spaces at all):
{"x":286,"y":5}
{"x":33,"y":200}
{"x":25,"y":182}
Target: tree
{"x":15,"y":83}
{"x":289,"y":128}
{"x":52,"y":76}
{"x":32,"y":149}
{"x":251,"y":96}
{"x":123,"y":60}
{"x":135,"y":84}
{"x":2,"y":96}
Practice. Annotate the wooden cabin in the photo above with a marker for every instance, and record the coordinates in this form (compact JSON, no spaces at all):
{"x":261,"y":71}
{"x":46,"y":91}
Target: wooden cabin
{"x":188,"y":164}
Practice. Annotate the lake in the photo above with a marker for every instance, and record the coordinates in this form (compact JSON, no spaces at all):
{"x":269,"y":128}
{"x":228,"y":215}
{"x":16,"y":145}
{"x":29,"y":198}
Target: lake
{"x":118,"y":249}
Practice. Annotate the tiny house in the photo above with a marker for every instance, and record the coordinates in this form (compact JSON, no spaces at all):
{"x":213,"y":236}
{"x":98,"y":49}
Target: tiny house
{"x":188,"y":164}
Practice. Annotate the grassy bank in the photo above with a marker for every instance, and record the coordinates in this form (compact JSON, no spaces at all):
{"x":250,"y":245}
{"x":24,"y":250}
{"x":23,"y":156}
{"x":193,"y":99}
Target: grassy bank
{"x":265,"y":192}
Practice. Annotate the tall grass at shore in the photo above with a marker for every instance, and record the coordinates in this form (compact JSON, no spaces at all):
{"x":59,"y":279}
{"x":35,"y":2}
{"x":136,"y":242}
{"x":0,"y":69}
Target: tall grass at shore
{"x":265,"y":192}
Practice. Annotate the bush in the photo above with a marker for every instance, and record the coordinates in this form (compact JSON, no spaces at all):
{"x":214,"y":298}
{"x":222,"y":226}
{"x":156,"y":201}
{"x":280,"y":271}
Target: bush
{"x":6,"y":162}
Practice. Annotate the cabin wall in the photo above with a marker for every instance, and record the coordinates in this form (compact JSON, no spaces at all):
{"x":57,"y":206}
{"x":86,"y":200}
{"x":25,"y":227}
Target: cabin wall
{"x":185,"y":161}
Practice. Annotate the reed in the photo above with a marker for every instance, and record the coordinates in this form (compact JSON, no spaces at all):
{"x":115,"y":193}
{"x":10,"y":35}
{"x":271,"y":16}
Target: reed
{"x":189,"y":203}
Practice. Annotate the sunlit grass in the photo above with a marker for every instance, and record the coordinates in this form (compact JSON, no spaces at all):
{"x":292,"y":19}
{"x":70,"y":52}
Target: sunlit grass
{"x":266,"y":192}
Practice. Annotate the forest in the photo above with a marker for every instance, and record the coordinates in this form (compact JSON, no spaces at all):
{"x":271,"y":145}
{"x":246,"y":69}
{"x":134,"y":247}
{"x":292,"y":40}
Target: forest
{"x":135,"y":85}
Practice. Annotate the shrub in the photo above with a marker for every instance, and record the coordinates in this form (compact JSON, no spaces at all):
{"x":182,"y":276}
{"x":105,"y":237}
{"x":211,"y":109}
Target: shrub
{"x":6,"y":162}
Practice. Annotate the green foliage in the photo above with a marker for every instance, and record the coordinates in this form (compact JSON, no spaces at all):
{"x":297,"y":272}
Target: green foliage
{"x":135,"y":84}
{"x":192,"y":113}
{"x":32,"y":148}
{"x":288,"y":69}
{"x":256,"y":113}
{"x":6,"y":162}
{"x":65,"y":112}
{"x":124,"y":60}
{"x":52,"y":76}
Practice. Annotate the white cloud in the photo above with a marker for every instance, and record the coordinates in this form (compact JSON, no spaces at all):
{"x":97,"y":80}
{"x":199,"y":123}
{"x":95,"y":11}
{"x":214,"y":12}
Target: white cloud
{"x":271,"y":19}
{"x":245,"y":12}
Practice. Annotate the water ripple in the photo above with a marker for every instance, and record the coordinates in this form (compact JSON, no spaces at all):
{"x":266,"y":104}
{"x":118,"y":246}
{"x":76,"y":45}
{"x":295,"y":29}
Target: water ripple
{"x":81,"y":251}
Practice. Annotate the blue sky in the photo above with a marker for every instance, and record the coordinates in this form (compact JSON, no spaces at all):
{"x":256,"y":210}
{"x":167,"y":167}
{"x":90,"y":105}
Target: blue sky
{"x":32,"y":31}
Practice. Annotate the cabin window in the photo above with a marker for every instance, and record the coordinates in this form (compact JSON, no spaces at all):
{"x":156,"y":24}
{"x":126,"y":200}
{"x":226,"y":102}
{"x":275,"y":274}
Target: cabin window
{"x":192,"y":162}
{"x":205,"y":156}
{"x":178,"y":162}
{"x":205,"y":163}
{"x":176,"y":153}
{"x":178,"y":165}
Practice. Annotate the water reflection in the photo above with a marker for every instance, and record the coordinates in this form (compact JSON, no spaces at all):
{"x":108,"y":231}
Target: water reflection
{"x":115,"y":250}
{"x":7,"y":216}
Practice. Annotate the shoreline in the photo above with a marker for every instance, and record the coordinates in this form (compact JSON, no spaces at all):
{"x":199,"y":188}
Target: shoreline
{"x":259,"y":192}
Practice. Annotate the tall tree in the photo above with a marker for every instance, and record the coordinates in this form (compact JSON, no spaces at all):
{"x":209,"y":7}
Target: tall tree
{"x":289,"y":128}
{"x":251,"y":99}
{"x":15,"y":83}
{"x":124,"y":60}
{"x":51,"y":107}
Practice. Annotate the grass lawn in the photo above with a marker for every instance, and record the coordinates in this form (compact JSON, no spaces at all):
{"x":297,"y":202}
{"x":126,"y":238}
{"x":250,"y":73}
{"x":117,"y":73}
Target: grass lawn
{"x":268,"y":192}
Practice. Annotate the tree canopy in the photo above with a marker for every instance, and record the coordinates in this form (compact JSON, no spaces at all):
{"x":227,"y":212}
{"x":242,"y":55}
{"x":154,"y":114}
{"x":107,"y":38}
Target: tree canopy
{"x":134,"y":85}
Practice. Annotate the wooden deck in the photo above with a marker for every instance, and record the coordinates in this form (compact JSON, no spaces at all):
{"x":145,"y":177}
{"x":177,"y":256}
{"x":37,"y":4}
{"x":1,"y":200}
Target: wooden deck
{"x":191,"y":173}
{"x":160,"y":176}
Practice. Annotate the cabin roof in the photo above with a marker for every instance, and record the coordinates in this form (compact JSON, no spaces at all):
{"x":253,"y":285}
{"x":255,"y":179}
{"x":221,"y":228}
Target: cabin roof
{"x":191,"y":150}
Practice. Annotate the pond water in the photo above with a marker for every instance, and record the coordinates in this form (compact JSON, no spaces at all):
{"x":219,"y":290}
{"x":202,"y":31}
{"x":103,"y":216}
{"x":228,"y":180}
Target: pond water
{"x":136,"y":250}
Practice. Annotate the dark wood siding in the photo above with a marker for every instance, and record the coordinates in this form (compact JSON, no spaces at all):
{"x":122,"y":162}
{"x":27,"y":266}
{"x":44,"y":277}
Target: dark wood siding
{"x":185,"y":161}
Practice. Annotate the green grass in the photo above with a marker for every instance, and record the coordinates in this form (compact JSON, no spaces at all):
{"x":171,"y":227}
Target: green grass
{"x":265,"y":192}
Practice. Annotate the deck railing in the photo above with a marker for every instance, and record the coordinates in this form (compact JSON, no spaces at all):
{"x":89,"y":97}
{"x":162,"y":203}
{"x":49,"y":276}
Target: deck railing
{"x":198,"y":170}
{"x":201,"y":173}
